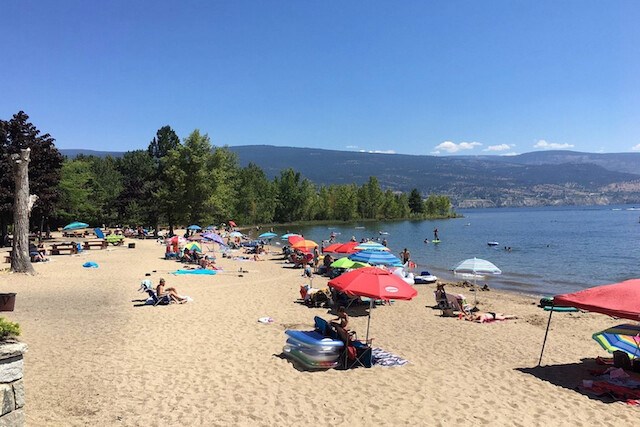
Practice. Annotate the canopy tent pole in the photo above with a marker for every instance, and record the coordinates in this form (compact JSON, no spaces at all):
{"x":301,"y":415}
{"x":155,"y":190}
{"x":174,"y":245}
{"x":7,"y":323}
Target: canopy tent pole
{"x":369,"y":320}
{"x":545,"y":334}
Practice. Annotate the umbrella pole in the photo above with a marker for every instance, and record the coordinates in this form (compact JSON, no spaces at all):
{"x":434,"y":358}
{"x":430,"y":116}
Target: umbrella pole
{"x":545,"y":334}
{"x":369,"y":320}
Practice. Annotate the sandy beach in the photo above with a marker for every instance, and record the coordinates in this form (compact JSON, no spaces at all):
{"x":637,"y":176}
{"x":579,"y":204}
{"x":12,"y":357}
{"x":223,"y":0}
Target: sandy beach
{"x":98,"y":358}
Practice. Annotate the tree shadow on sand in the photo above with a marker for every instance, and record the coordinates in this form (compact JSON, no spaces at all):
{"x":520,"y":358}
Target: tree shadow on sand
{"x":570,"y":376}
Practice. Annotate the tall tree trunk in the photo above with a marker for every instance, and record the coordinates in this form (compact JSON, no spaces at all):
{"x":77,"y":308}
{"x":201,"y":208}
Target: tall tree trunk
{"x":20,"y":260}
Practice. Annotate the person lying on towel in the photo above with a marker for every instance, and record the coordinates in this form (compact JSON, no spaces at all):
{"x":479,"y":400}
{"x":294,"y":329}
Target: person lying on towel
{"x":482,"y":317}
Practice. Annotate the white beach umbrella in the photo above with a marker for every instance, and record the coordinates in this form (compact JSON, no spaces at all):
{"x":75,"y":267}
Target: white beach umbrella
{"x":476,"y":267}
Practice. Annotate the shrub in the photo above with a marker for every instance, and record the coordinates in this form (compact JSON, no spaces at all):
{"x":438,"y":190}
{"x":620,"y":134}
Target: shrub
{"x":8,"y":329}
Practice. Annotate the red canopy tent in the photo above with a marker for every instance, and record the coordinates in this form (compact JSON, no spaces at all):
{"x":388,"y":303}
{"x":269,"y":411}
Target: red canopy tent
{"x":617,"y":300}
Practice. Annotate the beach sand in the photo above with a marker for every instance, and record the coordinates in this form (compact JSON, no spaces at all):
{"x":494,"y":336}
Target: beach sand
{"x":95,"y":358}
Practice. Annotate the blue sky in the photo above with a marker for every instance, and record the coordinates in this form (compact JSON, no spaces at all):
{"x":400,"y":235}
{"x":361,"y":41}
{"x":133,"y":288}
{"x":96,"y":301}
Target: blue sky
{"x":413,"y":77}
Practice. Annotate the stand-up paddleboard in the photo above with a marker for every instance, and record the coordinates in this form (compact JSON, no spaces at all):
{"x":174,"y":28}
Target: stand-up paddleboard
{"x":436,"y":241}
{"x":493,"y":243}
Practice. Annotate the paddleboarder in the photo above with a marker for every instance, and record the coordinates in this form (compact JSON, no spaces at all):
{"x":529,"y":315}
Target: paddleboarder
{"x":435,"y":234}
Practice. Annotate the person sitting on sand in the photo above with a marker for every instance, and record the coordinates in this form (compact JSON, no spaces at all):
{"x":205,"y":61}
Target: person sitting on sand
{"x":342,"y":320}
{"x":172,"y":293}
{"x":186,"y":256}
{"x":482,"y":317}
{"x":35,"y":254}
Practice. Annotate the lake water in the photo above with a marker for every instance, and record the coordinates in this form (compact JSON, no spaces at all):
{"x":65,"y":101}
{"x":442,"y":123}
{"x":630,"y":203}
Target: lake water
{"x":553,"y":249}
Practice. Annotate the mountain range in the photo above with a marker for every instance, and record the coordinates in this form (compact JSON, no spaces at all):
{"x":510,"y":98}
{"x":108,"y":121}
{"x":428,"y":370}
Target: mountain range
{"x":530,"y":179}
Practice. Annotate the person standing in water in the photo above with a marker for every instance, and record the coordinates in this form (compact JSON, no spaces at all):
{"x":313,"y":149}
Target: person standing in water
{"x":435,"y":234}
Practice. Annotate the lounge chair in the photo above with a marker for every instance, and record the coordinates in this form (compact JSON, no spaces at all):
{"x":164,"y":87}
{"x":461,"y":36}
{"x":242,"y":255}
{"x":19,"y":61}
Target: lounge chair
{"x":447,"y":302}
{"x":155,"y":300}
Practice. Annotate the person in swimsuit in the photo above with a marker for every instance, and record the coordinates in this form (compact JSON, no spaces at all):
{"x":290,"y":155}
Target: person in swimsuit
{"x":489,"y":316}
{"x":405,"y":256}
{"x":342,"y":320}
{"x":172,"y":293}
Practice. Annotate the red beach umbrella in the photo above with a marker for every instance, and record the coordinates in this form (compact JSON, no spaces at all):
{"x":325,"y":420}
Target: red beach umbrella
{"x":347,"y":248}
{"x":332,"y":247}
{"x":294,"y":238}
{"x":374,"y":283}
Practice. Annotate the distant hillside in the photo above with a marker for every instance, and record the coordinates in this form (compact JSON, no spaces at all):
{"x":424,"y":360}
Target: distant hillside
{"x":530,"y":179}
{"x":621,"y":162}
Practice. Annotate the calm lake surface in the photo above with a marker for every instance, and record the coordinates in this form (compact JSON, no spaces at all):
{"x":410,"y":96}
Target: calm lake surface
{"x":553,"y":249}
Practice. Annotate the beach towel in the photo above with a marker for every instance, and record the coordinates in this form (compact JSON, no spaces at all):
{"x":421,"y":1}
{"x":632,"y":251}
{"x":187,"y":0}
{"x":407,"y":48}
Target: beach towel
{"x":384,"y":358}
{"x":90,"y":264}
{"x":201,"y":272}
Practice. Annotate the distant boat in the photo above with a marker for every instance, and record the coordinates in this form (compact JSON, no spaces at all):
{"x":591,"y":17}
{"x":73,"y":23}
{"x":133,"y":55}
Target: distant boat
{"x":467,"y":224}
{"x":383,"y":233}
{"x":493,"y":243}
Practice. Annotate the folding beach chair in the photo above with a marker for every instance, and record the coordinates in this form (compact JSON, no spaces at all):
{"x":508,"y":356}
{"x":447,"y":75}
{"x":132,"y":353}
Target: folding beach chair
{"x":163,"y":300}
{"x":356,"y":353}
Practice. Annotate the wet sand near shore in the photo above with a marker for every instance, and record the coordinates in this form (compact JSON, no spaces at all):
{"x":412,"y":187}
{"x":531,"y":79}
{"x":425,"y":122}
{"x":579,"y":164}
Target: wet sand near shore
{"x":98,"y":358}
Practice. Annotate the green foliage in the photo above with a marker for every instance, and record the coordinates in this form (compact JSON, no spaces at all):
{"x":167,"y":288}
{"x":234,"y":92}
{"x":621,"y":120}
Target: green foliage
{"x":76,"y":192}
{"x":8,"y":329}
{"x":415,"y":202}
{"x":44,"y":167}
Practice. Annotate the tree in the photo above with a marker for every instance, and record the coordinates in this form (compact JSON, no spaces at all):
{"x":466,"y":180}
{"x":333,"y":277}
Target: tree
{"x":20,"y":260}
{"x":416,"y":203}
{"x":44,"y":169}
{"x":255,"y":201}
{"x":165,"y":141}
{"x":76,"y":192}
{"x":137,"y":169}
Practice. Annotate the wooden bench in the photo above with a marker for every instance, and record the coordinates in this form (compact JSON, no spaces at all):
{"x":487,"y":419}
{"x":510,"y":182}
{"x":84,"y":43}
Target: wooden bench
{"x":57,"y":248}
{"x":100,"y":244}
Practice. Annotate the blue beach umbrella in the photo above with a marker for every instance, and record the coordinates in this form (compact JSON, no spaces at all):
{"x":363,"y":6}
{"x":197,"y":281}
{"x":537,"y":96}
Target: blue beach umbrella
{"x":194,"y":227}
{"x":371,"y":246}
{"x":267,"y":235}
{"x":75,"y":226}
{"x":286,"y":236}
{"x":376,"y":258}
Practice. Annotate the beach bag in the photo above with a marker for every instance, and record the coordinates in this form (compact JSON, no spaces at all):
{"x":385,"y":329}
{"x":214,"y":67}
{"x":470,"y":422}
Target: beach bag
{"x":351,"y":352}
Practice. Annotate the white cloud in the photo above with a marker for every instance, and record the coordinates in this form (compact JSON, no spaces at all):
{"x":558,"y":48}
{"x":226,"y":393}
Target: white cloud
{"x":351,"y":147}
{"x":378,"y":151}
{"x":551,"y":145}
{"x":509,"y":154}
{"x":635,"y":148}
{"x":452,"y":147}
{"x":501,"y":147}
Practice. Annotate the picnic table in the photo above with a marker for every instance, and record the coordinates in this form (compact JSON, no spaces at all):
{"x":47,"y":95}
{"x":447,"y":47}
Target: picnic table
{"x":100,"y":244}
{"x":57,"y":248}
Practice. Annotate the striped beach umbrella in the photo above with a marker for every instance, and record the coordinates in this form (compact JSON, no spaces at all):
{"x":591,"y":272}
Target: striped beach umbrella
{"x":371,"y":246}
{"x":376,"y":258}
{"x":622,"y":337}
